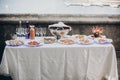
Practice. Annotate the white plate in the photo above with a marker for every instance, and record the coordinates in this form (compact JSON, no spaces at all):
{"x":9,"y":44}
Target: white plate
{"x":78,"y":36}
{"x":33,"y":43}
{"x":85,"y":42}
{"x":103,"y":40}
{"x":92,"y":36}
{"x":49,"y":40}
{"x":14,"y":43}
{"x":66,"y":41}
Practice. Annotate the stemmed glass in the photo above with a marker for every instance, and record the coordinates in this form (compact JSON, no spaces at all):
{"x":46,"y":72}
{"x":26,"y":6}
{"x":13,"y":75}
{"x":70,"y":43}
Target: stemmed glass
{"x":44,"y":31}
{"x":37,"y":32}
{"x":22,"y":32}
{"x":13,"y":36}
{"x":26,"y":31}
{"x":41,"y":31}
{"x":18,"y":32}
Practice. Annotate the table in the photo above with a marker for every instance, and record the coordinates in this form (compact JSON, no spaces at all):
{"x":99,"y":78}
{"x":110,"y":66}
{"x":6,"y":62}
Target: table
{"x":60,"y":62}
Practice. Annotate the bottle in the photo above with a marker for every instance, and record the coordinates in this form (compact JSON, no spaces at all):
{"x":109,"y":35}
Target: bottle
{"x":32,"y":32}
{"x":27,"y":36}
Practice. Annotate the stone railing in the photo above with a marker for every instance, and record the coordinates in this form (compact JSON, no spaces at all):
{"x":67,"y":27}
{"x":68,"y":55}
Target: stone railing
{"x":67,"y":18}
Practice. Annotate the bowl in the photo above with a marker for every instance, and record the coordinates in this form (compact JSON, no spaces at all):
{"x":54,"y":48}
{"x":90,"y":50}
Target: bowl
{"x":49,"y":40}
{"x":59,"y":29}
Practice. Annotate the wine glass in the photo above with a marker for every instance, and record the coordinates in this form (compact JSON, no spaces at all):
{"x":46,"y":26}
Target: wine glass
{"x":41,"y":31}
{"x":37,"y":32}
{"x":18,"y":32}
{"x":44,"y":31}
{"x":22,"y":32}
{"x":26,"y":32}
{"x":13,"y":36}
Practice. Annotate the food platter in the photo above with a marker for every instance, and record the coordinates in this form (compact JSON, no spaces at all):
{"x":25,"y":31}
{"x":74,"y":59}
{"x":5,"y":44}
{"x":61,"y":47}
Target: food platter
{"x":49,"y":40}
{"x":33,"y":43}
{"x":66,"y":41}
{"x":77,"y":36}
{"x":93,"y":37}
{"x":85,"y":41}
{"x":103,"y":40}
{"x":14,"y":43}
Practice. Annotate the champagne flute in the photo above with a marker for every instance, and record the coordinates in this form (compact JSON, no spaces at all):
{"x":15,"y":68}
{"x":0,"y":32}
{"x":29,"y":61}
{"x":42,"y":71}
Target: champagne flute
{"x":26,"y":31}
{"x":44,"y":31}
{"x":41,"y":31}
{"x":37,"y":32}
{"x":13,"y":36}
{"x":18,"y":32}
{"x":22,"y":32}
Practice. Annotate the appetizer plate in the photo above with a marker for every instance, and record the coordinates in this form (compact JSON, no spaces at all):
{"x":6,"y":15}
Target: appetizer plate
{"x":66,"y":41}
{"x":103,"y":40}
{"x":14,"y":43}
{"x":93,"y":37}
{"x":85,"y":41}
{"x":33,"y":43}
{"x":77,"y":36}
{"x":49,"y":40}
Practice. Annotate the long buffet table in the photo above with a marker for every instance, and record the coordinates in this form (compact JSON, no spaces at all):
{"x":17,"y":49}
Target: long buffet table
{"x":60,"y":62}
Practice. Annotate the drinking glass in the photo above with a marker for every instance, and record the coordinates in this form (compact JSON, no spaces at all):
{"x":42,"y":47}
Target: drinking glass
{"x":22,"y":32}
{"x":18,"y":32}
{"x":44,"y":31}
{"x":41,"y":31}
{"x":26,"y":31}
{"x":13,"y":36}
{"x":37,"y":32}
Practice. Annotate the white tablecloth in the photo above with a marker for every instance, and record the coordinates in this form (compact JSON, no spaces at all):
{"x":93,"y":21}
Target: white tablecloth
{"x":60,"y":62}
